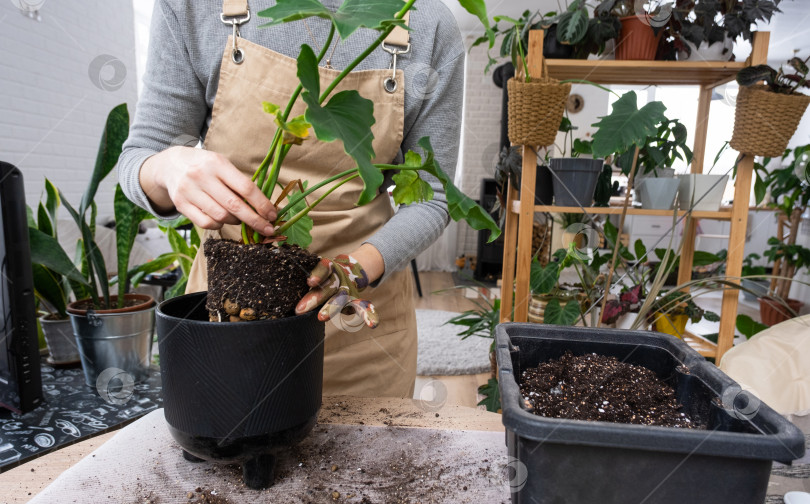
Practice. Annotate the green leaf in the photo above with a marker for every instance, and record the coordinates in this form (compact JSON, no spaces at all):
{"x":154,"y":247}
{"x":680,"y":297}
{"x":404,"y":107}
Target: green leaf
{"x":46,"y":251}
{"x":128,"y":217}
{"x":295,"y":131}
{"x":308,"y":71}
{"x":347,"y":117}
{"x":48,"y":288}
{"x":543,"y":279}
{"x":29,"y":214}
{"x":626,"y":125}
{"x":52,"y":202}
{"x":410,"y":188}
{"x":492,"y":396}
{"x":702,"y":258}
{"x":555,"y":314}
{"x":352,"y":14}
{"x":159,"y":263}
{"x":749,"y":76}
{"x":186,"y":252}
{"x":641,"y":250}
{"x":760,"y":189}
{"x":177,"y":289}
{"x":300,"y":232}
{"x":459,"y":204}
{"x":115,"y":133}
{"x":572,"y":26}
{"x":478,"y":8}
{"x":44,"y":221}
{"x":748,"y":326}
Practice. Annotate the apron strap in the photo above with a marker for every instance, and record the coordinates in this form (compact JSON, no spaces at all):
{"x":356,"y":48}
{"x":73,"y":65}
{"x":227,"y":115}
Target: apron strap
{"x":399,"y":36}
{"x":234,"y":8}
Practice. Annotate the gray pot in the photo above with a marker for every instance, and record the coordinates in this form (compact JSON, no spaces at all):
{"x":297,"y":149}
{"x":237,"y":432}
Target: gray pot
{"x":574,"y":180}
{"x":61,"y":343}
{"x":758,"y":286}
{"x":657,"y":193}
{"x":701,"y":192}
{"x":115,"y":341}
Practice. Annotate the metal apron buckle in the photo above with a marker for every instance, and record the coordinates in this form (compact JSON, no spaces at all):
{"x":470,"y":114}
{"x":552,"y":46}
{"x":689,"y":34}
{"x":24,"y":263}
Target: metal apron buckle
{"x":390,"y":83}
{"x":237,"y":55}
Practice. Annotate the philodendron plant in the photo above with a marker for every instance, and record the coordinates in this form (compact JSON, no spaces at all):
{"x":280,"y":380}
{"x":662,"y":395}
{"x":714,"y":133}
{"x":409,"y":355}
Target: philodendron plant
{"x":348,"y":117}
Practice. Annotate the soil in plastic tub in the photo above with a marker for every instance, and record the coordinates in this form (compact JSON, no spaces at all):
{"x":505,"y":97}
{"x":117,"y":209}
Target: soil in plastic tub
{"x":595,"y":387}
{"x":255,"y":281}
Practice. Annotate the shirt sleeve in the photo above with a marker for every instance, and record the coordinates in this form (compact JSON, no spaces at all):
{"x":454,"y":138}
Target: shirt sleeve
{"x":415,"y":227}
{"x":171,"y":110}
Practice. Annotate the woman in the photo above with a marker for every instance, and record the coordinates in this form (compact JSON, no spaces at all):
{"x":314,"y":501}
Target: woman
{"x":194,"y":89}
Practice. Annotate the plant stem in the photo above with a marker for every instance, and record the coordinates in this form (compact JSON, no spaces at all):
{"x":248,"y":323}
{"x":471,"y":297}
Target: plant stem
{"x":309,"y":207}
{"x":364,"y":54}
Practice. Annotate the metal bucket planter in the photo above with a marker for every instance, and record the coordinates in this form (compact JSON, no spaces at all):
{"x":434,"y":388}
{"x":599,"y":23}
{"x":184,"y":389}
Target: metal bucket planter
{"x":238,"y":392}
{"x":574,"y":180}
{"x":115,"y":339}
{"x":61,"y":343}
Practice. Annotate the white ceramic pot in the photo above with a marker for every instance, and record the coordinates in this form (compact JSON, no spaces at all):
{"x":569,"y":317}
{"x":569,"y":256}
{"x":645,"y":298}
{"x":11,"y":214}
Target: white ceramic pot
{"x":718,"y":51}
{"x":638,"y":182}
{"x":701,"y":192}
{"x":658,"y":193}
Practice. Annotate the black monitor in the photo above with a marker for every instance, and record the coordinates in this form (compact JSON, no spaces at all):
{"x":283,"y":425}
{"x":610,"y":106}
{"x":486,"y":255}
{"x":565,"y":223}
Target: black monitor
{"x":20,"y":379}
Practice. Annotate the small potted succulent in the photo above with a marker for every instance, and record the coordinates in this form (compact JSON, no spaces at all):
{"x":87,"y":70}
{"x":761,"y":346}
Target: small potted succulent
{"x":767,"y":115}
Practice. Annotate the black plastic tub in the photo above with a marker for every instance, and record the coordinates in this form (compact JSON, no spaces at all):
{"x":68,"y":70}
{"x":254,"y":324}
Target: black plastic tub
{"x":237,"y":392}
{"x":571,"y":461}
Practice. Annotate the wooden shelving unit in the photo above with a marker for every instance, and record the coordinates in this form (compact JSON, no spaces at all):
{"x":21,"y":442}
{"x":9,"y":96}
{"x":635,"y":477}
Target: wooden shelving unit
{"x":705,"y":75}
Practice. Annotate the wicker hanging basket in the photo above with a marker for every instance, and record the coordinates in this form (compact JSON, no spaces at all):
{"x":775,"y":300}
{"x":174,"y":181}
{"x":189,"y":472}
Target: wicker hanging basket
{"x":765,"y":121}
{"x":536,"y":109}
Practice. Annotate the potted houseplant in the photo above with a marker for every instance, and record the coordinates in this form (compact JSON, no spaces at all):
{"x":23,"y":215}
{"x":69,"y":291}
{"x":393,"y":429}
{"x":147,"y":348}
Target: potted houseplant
{"x":789,"y":188}
{"x":673,"y":309}
{"x":51,"y":288}
{"x":753,"y":277}
{"x":640,"y":31}
{"x":766,"y":115}
{"x":112,"y":331}
{"x":706,"y":30}
{"x":509,"y":167}
{"x":576,"y":177}
{"x":788,"y":260}
{"x":268,"y":387}
{"x":655,"y":181}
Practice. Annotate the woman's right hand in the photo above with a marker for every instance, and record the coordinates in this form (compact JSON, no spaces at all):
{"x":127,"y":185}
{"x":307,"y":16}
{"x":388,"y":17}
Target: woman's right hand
{"x":207,"y":188}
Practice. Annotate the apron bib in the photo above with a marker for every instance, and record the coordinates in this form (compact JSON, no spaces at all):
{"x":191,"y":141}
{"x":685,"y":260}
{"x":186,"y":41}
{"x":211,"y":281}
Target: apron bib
{"x":360,"y":361}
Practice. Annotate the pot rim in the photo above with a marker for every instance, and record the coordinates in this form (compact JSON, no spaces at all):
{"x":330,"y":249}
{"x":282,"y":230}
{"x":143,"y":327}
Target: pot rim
{"x":165,"y":316}
{"x":773,"y":300}
{"x":147,"y":302}
{"x":44,"y":319}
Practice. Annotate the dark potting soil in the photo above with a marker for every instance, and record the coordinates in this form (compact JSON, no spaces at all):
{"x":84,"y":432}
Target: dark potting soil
{"x":255,"y":281}
{"x":87,"y":304}
{"x":595,"y":387}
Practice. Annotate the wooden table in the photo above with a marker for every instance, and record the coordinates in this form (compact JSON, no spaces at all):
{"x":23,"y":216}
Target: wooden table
{"x":18,"y":485}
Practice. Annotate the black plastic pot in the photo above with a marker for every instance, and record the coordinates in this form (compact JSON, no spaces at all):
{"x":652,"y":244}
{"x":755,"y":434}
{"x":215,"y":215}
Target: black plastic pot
{"x":574,"y":180}
{"x":552,"y":48}
{"x":561,"y":460}
{"x":238,"y":392}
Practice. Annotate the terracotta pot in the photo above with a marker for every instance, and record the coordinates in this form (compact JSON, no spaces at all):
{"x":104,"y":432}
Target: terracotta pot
{"x":773,"y":311}
{"x":637,"y":41}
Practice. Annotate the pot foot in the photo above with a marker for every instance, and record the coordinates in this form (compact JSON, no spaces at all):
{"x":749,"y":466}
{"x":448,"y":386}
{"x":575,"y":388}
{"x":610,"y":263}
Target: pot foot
{"x":259,"y":472}
{"x":191,"y":458}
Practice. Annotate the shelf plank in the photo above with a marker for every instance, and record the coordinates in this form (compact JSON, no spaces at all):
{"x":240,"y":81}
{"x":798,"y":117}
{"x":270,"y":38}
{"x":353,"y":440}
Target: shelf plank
{"x":722,"y":214}
{"x":704,"y":73}
{"x":703,"y":346}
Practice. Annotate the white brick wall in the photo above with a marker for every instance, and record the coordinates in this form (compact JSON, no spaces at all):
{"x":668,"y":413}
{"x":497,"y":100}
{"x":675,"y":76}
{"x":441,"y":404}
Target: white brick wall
{"x":51,"y":112}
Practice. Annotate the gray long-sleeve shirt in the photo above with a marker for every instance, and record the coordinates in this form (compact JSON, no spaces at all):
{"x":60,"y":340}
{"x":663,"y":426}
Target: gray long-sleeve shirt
{"x":185,"y":49}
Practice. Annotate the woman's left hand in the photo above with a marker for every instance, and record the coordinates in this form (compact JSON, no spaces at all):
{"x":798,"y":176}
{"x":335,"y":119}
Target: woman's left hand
{"x":337,"y":283}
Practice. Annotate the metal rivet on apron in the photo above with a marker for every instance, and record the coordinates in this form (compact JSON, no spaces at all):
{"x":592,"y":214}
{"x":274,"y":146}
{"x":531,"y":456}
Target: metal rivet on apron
{"x":390,"y":84}
{"x":237,"y":56}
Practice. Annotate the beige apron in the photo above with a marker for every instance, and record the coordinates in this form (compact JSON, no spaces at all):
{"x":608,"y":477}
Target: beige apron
{"x":365,"y":362}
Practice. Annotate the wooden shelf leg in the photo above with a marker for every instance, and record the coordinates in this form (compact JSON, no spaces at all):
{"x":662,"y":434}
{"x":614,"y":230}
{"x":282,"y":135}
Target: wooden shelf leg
{"x":736,"y":251}
{"x":525,"y":231}
{"x":509,"y":247}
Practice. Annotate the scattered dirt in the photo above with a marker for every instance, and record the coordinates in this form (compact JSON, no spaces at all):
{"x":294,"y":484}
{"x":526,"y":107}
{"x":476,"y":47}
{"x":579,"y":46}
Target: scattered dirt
{"x":202,"y":496}
{"x":255,"y":282}
{"x":595,"y":387}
